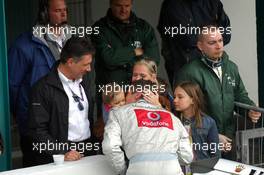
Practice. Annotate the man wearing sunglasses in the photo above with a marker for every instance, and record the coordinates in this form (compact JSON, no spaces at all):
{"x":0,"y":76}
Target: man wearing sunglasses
{"x":61,"y":106}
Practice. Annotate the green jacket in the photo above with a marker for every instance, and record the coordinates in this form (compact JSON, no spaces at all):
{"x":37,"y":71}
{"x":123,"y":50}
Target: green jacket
{"x":219,"y":96}
{"x":115,"y":46}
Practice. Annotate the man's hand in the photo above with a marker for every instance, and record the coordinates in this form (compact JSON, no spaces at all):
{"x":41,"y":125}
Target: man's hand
{"x":139,"y":51}
{"x":226,"y":142}
{"x":72,"y":156}
{"x":254,"y":116}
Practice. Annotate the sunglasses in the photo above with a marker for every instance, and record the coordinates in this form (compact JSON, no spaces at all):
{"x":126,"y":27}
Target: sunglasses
{"x":78,"y":99}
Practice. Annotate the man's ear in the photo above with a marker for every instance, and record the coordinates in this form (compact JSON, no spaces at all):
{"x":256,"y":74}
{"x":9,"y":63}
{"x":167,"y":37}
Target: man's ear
{"x":70,"y":61}
{"x":199,"y":45}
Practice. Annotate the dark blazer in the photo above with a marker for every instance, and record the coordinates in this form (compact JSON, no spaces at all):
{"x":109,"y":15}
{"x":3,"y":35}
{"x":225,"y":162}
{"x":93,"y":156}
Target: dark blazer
{"x":48,"y":113}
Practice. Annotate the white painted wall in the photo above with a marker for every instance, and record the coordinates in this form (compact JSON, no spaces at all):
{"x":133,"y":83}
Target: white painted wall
{"x":242,"y":49}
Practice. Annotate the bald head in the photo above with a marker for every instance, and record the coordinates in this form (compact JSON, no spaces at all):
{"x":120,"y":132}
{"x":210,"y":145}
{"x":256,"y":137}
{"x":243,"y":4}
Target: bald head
{"x":121,"y":9}
{"x":207,"y":30}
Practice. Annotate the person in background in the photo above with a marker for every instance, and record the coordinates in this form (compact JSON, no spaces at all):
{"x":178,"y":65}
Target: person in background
{"x":221,"y":84}
{"x":31,"y":57}
{"x":179,"y":24}
{"x":147,"y":69}
{"x":113,"y":96}
{"x":189,"y":104}
{"x":123,"y":39}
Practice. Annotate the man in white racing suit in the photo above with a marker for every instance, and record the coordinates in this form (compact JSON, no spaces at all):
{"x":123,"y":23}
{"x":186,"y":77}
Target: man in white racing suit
{"x":153,"y":139}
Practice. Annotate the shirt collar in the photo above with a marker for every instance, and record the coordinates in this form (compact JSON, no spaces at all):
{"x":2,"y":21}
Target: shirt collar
{"x":186,"y":121}
{"x":66,"y":80}
{"x":58,"y":39}
{"x":211,"y":63}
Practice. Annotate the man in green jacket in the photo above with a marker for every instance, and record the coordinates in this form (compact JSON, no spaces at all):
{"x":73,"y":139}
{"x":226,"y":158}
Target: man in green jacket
{"x":220,"y":81}
{"x":123,"y":38}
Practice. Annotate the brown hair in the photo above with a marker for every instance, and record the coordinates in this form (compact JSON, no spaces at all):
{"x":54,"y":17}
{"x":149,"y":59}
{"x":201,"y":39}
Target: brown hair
{"x":194,"y":91}
{"x":110,"y":91}
{"x":163,"y":94}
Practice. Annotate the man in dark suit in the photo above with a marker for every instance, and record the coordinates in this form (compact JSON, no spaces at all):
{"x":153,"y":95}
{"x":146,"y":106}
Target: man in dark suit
{"x":61,"y":106}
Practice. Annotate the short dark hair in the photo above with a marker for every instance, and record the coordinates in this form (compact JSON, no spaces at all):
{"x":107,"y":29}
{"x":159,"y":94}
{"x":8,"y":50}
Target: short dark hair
{"x":111,"y":1}
{"x":139,"y":85}
{"x":43,"y":12}
{"x":110,"y":91}
{"x":75,"y":48}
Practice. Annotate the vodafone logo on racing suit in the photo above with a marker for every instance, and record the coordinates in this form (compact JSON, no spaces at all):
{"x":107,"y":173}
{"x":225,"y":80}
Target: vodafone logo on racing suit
{"x":153,"y":119}
{"x":153,"y":116}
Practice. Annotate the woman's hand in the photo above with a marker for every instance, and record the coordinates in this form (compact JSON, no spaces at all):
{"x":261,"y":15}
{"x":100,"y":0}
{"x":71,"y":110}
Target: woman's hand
{"x":226,"y":142}
{"x":151,"y":97}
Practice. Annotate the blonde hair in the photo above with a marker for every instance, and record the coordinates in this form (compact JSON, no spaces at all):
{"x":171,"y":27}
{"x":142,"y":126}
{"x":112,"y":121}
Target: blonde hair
{"x":150,"y":65}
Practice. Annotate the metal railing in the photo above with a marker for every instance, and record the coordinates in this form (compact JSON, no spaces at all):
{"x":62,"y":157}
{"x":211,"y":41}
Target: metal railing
{"x":249,"y":135}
